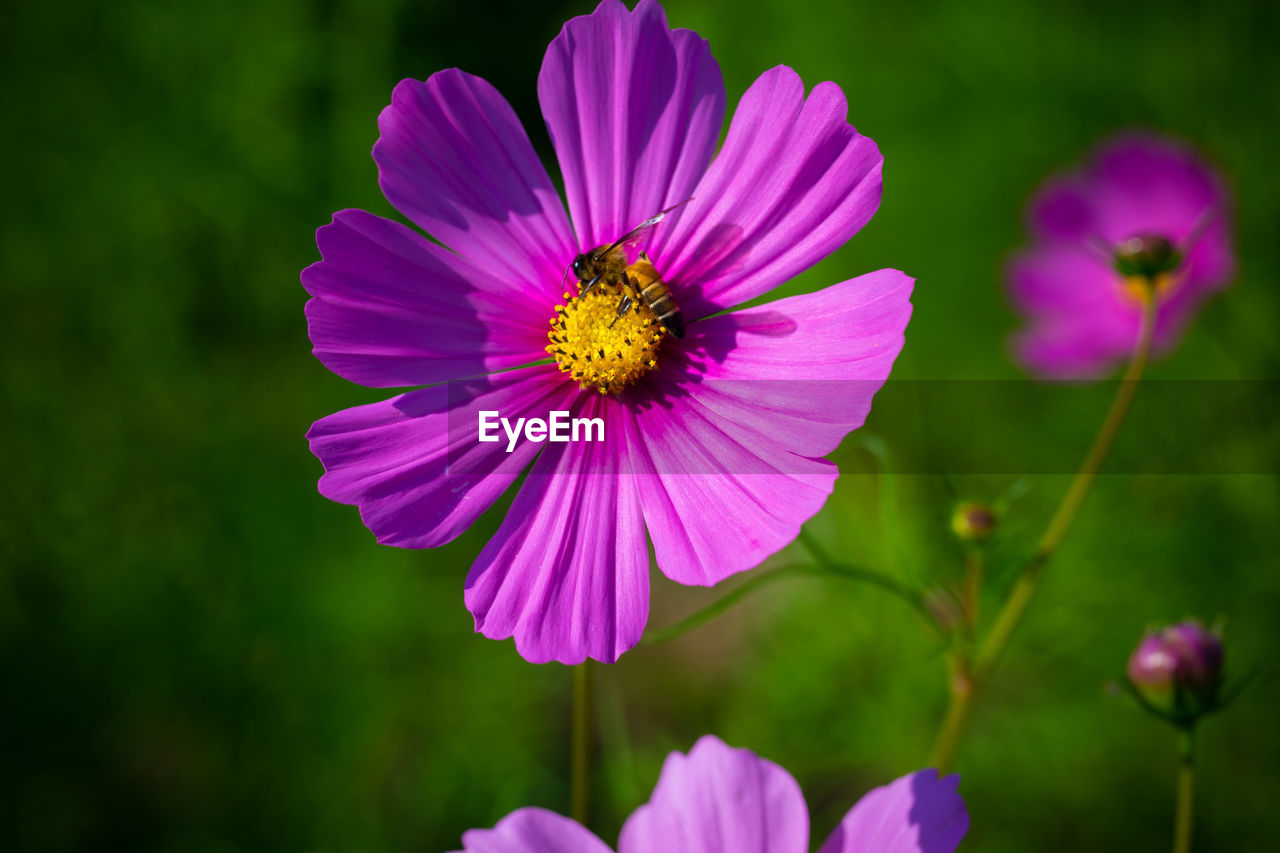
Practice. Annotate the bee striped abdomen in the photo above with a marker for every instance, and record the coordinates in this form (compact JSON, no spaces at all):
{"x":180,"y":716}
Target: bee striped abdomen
{"x":655,"y":293}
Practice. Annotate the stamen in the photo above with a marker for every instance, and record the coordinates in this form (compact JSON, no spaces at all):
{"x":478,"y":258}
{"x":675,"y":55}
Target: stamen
{"x":599,"y":349}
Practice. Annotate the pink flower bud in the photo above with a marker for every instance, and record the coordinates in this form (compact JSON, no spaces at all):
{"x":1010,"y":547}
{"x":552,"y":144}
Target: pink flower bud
{"x":1178,"y":670}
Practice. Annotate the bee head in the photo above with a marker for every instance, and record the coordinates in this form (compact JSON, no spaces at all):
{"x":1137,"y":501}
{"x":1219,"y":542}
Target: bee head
{"x":579,"y":267}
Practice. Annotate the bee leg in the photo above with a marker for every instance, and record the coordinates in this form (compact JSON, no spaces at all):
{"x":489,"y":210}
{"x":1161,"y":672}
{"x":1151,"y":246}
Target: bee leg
{"x":590,"y":286}
{"x":623,"y":307}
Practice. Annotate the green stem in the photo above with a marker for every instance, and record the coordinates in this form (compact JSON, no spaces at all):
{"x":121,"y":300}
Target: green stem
{"x":1015,"y":605}
{"x":1182,"y":820}
{"x":1185,"y":790}
{"x":765,"y":577}
{"x":953,"y":724}
{"x":580,"y":772}
{"x":1067,"y":510}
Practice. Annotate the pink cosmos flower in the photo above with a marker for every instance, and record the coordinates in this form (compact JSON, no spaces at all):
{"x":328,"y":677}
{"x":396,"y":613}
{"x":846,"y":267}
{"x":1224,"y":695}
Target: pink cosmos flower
{"x":718,"y":799}
{"x":712,"y":443}
{"x":1138,"y":195}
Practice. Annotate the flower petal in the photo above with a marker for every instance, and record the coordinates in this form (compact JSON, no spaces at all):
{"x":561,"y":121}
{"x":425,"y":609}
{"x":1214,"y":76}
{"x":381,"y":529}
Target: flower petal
{"x":724,"y":445}
{"x":793,"y":182}
{"x":1083,"y":322}
{"x":1061,"y":211}
{"x":533,"y":830}
{"x":719,"y":799}
{"x":634,"y":111}
{"x":803,"y":370}
{"x":1157,"y":185}
{"x":453,"y":157}
{"x":392,"y":309}
{"x":567,"y":574}
{"x":919,"y":813}
{"x":414,"y":464}
{"x":718,"y":499}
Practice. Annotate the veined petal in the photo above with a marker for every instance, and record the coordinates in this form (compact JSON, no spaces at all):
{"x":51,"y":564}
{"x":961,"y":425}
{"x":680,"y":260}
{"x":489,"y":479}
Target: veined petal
{"x":718,"y":498}
{"x":414,"y":465}
{"x":718,"y":799}
{"x":392,"y":309}
{"x":725,"y":441}
{"x":802,"y":371}
{"x":634,"y":110}
{"x":793,"y":182}
{"x":533,"y":830}
{"x":919,"y":813}
{"x":567,"y":573}
{"x":453,"y":157}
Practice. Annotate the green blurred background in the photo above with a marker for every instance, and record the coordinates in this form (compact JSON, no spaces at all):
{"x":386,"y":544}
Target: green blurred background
{"x":199,"y":653}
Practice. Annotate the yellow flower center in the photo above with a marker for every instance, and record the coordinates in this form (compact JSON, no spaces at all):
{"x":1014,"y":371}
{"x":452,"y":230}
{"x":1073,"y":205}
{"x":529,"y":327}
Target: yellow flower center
{"x":599,"y":349}
{"x":1140,"y":288}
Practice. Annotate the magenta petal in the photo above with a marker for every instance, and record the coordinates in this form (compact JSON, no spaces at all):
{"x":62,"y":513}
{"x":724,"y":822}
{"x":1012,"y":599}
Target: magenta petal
{"x":1061,"y":211}
{"x":413,"y":465}
{"x":724,"y":447}
{"x":793,"y":182}
{"x":920,"y":813}
{"x":392,"y":309}
{"x":1158,"y":185}
{"x":567,"y":574}
{"x":803,"y":370}
{"x":634,"y":111}
{"x":1069,"y":278}
{"x":718,"y":799}
{"x":718,"y":499}
{"x":532,"y":830}
{"x":453,"y":157}
{"x":1083,"y":319}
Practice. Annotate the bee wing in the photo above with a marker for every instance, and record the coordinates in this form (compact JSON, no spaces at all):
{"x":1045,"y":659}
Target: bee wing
{"x":637,"y":235}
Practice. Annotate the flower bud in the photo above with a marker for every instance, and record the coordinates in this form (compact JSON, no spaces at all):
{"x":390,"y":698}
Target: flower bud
{"x":973,"y":522}
{"x":1148,"y":256}
{"x":1178,"y":670}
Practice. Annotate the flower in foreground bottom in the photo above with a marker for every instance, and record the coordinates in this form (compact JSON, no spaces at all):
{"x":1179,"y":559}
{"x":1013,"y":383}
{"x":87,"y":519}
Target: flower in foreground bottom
{"x":712,"y":443}
{"x":1142,"y":203}
{"x":718,"y":799}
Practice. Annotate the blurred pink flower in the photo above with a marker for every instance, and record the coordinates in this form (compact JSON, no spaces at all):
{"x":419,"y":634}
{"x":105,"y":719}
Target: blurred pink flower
{"x":1137,"y":190}
{"x":718,"y":799}
{"x":713,"y":442}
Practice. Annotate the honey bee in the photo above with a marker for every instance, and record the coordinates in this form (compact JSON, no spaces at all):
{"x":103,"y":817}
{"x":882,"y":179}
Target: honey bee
{"x":639,"y":280}
{"x":643,"y":280}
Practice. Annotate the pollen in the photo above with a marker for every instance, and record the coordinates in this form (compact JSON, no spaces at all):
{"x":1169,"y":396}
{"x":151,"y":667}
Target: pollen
{"x":600,"y":350}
